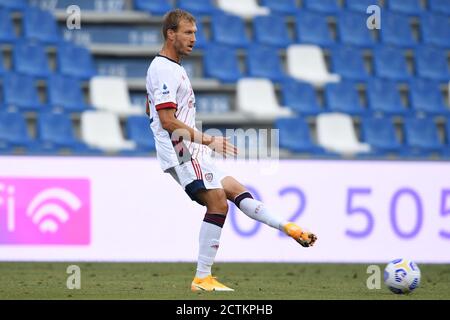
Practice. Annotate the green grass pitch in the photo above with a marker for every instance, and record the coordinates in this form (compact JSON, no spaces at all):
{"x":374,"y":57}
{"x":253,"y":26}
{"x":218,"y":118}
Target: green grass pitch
{"x":171,"y":281}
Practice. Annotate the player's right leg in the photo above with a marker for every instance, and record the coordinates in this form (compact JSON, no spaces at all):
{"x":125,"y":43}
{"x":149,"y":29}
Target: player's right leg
{"x":216,"y":210}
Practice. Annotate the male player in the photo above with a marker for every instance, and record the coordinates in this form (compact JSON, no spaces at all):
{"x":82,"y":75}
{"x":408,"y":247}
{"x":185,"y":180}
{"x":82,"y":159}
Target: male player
{"x":185,"y":153}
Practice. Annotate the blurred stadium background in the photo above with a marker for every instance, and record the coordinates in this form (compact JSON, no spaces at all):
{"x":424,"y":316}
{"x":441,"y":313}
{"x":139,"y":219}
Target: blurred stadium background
{"x":72,"y":105}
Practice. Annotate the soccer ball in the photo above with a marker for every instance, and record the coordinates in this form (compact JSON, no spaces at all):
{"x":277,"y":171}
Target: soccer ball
{"x":402,"y":276}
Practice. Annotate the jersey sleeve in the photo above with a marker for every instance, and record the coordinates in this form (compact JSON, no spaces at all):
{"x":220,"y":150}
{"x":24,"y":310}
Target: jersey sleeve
{"x":164,"y":85}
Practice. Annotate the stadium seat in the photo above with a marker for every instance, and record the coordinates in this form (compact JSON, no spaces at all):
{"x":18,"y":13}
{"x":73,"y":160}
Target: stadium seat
{"x":200,"y":38}
{"x":360,"y":5}
{"x":100,"y":129}
{"x":20,"y":92}
{"x":14,"y":5}
{"x":138,"y":130}
{"x":312,"y":28}
{"x":348,"y":62}
{"x":221,"y":62}
{"x":431,"y":63}
{"x":390,"y":63}
{"x":111,"y":94}
{"x":7,"y":34}
{"x":421,"y":136}
{"x":307,"y":63}
{"x":66,"y":93}
{"x":343,"y":97}
{"x":2,"y":72}
{"x":55,"y":130}
{"x":75,"y":61}
{"x":284,"y":7}
{"x":154,"y":7}
{"x":197,"y":7}
{"x":264,"y":62}
{"x":229,"y":30}
{"x":256,"y":98}
{"x":13,"y":130}
{"x":40,"y":25}
{"x":426,"y":97}
{"x":271,"y":30}
{"x":352,"y":30}
{"x":30,"y":58}
{"x":244,"y":8}
{"x":300,"y":97}
{"x":323,"y":6}
{"x":397,"y":31}
{"x":439,"y":6}
{"x":296,"y":137}
{"x":335,"y":132}
{"x":435,"y":29}
{"x":380,"y":134}
{"x":384,"y":97}
{"x":410,"y":7}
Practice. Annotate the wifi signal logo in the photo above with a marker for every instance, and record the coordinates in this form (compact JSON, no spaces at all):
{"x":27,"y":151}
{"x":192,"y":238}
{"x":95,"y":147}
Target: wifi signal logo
{"x":44,"y":211}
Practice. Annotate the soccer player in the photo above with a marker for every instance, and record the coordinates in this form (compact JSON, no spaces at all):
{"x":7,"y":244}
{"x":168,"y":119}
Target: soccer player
{"x":185,"y":153}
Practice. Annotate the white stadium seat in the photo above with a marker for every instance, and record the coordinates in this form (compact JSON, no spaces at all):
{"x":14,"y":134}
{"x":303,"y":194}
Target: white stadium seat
{"x":256,"y":97}
{"x":111,"y":94}
{"x":101,"y":129}
{"x":244,"y":8}
{"x":307,"y":63}
{"x":335,"y":132}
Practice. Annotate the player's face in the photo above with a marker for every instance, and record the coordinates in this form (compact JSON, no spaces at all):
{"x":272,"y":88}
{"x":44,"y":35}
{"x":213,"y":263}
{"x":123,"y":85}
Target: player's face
{"x":185,"y":37}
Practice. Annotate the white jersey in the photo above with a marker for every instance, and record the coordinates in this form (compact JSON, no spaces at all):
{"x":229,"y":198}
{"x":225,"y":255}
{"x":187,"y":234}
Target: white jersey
{"x":168,"y":86}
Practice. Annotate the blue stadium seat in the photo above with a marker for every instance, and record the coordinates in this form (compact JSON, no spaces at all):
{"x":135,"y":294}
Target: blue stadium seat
{"x":221,"y":62}
{"x":300,"y":97}
{"x":13,"y":130}
{"x":155,"y":7}
{"x":197,"y":7}
{"x":380,"y":134}
{"x":30,"y":58}
{"x":421,"y":135}
{"x":360,"y":5}
{"x":435,"y":29}
{"x":348,"y":63}
{"x":431,"y":63}
{"x":7,"y":34}
{"x":390,"y":63}
{"x":271,"y":30}
{"x":138,"y":130}
{"x":2,"y":70}
{"x":14,"y":5}
{"x":57,"y":130}
{"x":352,"y":29}
{"x":284,"y":7}
{"x":323,"y":6}
{"x":228,"y":29}
{"x":439,"y":6}
{"x":20,"y":92}
{"x":343,"y":97}
{"x":396,"y":30}
{"x":312,"y":28}
{"x":426,"y":97}
{"x":75,"y":61}
{"x":295,"y":136}
{"x":40,"y":25}
{"x":410,"y":7}
{"x":264,"y":62}
{"x":384,"y":97}
{"x":66,"y":93}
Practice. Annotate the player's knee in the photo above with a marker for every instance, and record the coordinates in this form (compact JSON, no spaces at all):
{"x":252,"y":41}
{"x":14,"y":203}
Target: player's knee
{"x":219,"y":204}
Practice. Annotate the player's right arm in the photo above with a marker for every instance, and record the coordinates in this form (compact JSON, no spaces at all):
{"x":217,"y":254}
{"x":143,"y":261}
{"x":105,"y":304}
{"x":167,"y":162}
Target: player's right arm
{"x":178,"y":128}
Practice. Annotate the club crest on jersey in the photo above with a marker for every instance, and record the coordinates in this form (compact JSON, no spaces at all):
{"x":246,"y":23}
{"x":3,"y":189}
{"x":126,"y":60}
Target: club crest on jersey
{"x":208,"y":176}
{"x":165,"y":91}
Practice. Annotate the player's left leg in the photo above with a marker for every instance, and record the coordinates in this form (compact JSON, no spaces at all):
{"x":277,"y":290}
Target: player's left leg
{"x":255,"y":209}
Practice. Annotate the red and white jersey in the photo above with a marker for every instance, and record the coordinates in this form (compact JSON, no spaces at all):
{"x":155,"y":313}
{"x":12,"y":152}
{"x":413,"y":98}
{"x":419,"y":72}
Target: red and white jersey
{"x":168,"y":86}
